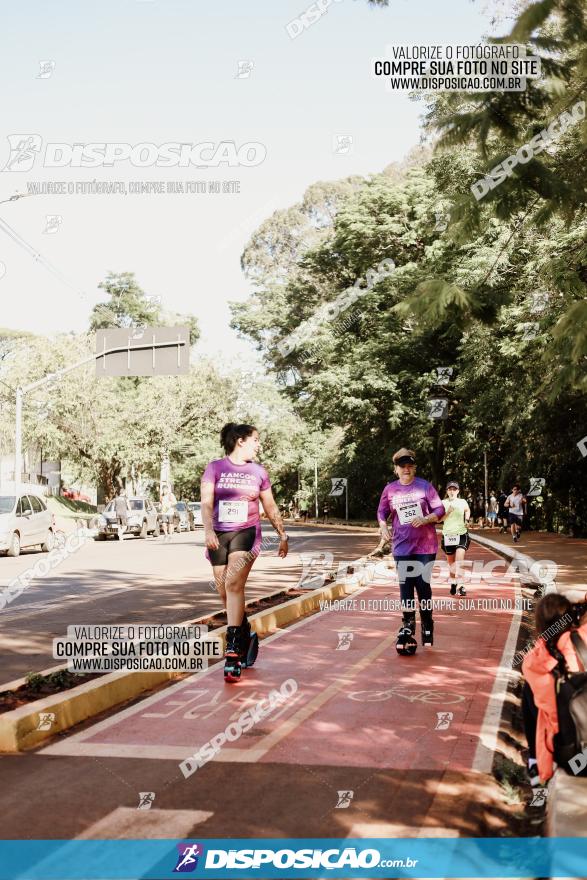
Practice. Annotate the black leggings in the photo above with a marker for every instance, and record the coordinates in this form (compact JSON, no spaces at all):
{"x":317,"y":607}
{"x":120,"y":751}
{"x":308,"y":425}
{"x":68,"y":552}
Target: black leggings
{"x":530,"y":716}
{"x":414,"y":574}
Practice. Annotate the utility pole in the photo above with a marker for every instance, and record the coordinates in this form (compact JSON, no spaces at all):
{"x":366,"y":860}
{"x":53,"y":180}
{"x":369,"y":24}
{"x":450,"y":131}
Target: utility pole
{"x":165,"y":477}
{"x":316,"y":485}
{"x":486,"y":481}
{"x":18,"y":440}
{"x":346,"y":495}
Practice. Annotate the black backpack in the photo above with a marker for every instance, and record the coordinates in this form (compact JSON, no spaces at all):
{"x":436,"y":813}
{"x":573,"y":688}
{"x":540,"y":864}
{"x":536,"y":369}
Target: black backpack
{"x":570,"y":743}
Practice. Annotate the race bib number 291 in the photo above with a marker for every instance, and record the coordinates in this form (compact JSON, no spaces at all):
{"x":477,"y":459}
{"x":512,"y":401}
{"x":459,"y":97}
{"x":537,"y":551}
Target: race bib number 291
{"x":233,"y":511}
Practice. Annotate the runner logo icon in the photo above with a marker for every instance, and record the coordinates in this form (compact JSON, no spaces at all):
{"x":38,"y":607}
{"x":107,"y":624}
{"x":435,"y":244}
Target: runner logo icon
{"x":444,"y":719}
{"x":23,"y":151}
{"x":344,"y":799}
{"x":187,"y":860}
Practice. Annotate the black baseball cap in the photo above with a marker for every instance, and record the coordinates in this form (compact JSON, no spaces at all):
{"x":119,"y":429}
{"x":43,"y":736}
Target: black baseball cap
{"x":404,"y":456}
{"x":452,"y":484}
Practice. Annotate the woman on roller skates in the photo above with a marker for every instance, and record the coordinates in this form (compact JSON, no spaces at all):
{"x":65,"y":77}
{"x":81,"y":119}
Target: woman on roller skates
{"x":231,"y":489}
{"x":414,"y":506}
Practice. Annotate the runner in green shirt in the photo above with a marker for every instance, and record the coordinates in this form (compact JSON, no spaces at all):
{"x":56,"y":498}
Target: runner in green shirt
{"x":455,"y":536}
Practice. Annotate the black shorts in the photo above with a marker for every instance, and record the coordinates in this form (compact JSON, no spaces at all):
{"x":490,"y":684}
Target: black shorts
{"x":464,"y":542}
{"x":243,"y":539}
{"x":514,"y":520}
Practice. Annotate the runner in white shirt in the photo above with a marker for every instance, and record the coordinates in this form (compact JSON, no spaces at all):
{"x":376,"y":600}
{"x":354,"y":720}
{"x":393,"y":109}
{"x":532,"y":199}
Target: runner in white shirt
{"x":516,"y":503}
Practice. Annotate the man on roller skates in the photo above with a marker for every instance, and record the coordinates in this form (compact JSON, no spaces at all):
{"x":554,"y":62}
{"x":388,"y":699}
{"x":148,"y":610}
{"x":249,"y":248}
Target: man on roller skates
{"x":414,"y":506}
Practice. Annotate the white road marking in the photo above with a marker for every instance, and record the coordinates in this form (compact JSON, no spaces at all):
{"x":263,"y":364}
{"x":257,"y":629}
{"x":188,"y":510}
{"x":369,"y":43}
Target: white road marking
{"x":483,"y":760}
{"x":126,"y":823}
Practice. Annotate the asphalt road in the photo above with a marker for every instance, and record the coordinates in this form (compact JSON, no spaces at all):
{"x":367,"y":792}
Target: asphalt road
{"x":149,"y":581}
{"x":367,"y":744}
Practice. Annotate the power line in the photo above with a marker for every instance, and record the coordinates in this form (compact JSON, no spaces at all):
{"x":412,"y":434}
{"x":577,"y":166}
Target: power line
{"x":38,"y":257}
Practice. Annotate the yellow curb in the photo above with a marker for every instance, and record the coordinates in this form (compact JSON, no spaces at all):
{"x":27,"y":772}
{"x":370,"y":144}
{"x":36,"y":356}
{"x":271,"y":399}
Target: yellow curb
{"x":18,"y":682}
{"x":19,"y":728}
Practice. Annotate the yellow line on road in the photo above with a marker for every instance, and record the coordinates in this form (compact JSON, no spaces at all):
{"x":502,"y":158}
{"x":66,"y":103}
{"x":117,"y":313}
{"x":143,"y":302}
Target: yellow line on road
{"x":306,"y":711}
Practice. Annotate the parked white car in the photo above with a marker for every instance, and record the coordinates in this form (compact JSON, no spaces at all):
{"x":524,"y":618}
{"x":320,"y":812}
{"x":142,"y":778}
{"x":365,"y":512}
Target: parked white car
{"x":141,"y":519}
{"x":196,"y":509}
{"x":25,"y":522}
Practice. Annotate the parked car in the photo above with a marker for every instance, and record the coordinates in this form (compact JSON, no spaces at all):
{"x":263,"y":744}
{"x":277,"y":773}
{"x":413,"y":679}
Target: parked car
{"x":186,"y":517}
{"x":142,"y":519}
{"x":175,"y":520}
{"x":25,"y":522}
{"x":196,"y":509}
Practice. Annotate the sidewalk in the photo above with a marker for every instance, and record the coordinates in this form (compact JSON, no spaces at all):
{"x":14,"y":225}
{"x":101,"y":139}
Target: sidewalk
{"x":567,"y":795}
{"x":569,"y":554}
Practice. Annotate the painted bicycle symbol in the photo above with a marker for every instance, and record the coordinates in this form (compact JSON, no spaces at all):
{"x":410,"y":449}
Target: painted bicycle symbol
{"x":424,"y":696}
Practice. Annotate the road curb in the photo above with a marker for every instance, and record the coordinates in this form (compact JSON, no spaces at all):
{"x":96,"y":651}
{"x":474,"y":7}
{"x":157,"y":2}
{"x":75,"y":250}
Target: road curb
{"x":524,"y":561}
{"x":18,"y":682}
{"x":20,"y":728}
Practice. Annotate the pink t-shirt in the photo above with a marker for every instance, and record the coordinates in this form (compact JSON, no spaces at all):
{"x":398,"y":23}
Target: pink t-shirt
{"x":404,"y":503}
{"x":236,"y":493}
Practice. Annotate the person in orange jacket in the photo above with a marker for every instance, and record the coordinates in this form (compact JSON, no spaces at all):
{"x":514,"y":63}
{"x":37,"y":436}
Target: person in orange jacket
{"x":554,"y":620}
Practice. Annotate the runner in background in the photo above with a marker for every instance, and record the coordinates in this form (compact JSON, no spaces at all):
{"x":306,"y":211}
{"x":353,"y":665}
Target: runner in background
{"x":231,"y":490}
{"x":516,"y":504}
{"x":121,"y":511}
{"x":455,"y":536}
{"x":492,"y":510}
{"x":502,"y":512}
{"x":414,"y":507}
{"x":168,"y":502}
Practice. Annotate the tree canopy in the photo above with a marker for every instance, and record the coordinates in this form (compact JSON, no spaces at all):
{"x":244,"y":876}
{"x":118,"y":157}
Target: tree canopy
{"x":493,"y":288}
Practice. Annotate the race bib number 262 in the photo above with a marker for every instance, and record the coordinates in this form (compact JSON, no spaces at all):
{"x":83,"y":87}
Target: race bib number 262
{"x":408,"y":511}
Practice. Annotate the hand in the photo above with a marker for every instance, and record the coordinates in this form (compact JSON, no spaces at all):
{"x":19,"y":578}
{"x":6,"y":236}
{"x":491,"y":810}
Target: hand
{"x":283,"y":548}
{"x":419,"y":521}
{"x":450,"y":508}
{"x":211,"y":540}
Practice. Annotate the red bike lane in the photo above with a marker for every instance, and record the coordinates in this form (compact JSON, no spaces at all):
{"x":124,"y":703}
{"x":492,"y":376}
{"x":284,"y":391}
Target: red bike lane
{"x":358,"y":710}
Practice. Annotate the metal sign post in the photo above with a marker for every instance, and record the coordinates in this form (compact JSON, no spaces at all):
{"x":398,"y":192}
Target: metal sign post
{"x":146,"y":351}
{"x":340,"y":485}
{"x":142,"y":351}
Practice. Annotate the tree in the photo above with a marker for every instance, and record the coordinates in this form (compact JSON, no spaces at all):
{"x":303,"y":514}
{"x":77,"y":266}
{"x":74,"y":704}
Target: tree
{"x":129,"y":306}
{"x":470,"y":304}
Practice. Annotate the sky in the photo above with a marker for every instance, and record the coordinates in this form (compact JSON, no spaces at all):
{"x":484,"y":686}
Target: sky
{"x":160,"y":71}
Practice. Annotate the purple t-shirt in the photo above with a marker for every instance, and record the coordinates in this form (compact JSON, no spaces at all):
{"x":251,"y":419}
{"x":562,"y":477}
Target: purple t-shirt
{"x":404,"y":503}
{"x":236,"y":493}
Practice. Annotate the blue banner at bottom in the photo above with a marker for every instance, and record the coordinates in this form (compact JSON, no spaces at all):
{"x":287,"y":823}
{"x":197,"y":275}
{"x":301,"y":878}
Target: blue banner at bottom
{"x":290,"y":859}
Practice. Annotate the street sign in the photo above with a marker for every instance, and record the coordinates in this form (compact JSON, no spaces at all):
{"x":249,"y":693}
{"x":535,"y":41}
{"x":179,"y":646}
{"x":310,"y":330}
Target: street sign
{"x":438,"y":408}
{"x":338,"y":485}
{"x":142,"y":351}
{"x":443,"y":375}
{"x":536,"y":486}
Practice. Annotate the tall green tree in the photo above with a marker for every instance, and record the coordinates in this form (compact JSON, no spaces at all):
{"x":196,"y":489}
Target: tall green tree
{"x":128,"y":306}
